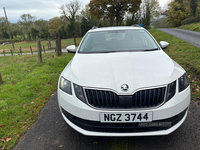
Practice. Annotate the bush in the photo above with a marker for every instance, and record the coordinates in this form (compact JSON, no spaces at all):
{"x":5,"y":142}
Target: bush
{"x":191,"y":20}
{"x":161,"y":23}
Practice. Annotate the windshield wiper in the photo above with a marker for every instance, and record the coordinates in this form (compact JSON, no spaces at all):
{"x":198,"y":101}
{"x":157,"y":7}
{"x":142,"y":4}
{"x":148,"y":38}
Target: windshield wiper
{"x":153,"y":49}
{"x":109,"y":52}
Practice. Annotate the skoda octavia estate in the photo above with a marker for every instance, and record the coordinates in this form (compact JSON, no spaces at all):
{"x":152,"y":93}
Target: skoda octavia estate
{"x":121,"y":83}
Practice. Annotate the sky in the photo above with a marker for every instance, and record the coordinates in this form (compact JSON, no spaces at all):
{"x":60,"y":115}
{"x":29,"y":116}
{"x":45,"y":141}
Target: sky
{"x":41,"y":9}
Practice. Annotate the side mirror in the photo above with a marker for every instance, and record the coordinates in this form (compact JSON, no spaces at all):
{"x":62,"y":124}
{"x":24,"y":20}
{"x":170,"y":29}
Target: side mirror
{"x":164,"y":44}
{"x":71,"y":49}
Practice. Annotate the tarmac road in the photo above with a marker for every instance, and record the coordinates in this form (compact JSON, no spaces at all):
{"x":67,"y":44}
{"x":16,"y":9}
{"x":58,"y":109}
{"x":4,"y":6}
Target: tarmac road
{"x":191,"y":37}
{"x":51,"y":132}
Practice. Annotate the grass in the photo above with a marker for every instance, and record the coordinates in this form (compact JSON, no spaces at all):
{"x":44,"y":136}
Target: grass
{"x":25,"y":46}
{"x":192,"y":27}
{"x":185,"y":54}
{"x":27,"y":87}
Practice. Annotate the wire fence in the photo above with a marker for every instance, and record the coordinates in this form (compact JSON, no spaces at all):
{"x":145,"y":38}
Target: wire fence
{"x":31,"y":46}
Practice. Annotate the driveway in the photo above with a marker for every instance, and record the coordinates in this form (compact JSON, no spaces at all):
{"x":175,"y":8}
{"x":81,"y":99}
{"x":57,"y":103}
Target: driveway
{"x":51,"y":132}
{"x":191,"y":37}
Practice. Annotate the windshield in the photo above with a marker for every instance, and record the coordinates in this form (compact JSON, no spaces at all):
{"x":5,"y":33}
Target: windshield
{"x":117,"y":41}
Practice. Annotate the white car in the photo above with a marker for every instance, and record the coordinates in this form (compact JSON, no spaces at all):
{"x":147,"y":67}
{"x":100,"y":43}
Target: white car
{"x":121,"y":83}
{"x":6,"y":43}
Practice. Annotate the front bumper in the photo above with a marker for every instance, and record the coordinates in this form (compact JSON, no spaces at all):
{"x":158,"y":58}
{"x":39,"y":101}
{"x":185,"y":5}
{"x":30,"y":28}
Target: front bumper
{"x":86,"y":120}
{"x":126,"y":128}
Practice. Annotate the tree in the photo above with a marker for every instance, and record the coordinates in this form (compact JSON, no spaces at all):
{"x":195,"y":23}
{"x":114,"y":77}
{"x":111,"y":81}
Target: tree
{"x":55,"y":24}
{"x":69,"y":12}
{"x":42,"y":26}
{"x":177,"y":12}
{"x":3,"y":29}
{"x":63,"y":32}
{"x":193,"y":6}
{"x":113,"y":9}
{"x":87,"y":20}
{"x":34,"y":33}
{"x":132,"y":18}
{"x":26,"y":20}
{"x":149,"y":9}
{"x":44,"y":32}
{"x":16,"y":29}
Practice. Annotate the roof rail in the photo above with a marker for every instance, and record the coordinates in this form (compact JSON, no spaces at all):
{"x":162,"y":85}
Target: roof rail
{"x":94,"y":27}
{"x":135,"y":25}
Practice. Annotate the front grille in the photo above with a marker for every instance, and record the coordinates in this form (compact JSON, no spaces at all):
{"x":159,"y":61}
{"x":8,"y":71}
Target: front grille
{"x":97,"y":126}
{"x":141,"y":99}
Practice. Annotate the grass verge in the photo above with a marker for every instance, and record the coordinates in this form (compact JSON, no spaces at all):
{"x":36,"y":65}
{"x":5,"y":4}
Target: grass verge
{"x":185,"y":54}
{"x":192,"y":27}
{"x":27,"y":87}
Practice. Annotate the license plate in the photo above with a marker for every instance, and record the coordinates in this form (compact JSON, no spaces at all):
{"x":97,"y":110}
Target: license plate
{"x":126,"y":117}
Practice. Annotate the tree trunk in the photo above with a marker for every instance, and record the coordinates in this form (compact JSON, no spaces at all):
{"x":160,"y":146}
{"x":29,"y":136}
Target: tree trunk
{"x":74,"y":41}
{"x":117,"y":19}
{"x":1,"y":81}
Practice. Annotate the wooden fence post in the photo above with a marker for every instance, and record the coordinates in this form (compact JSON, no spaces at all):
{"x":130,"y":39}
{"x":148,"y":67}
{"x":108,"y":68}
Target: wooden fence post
{"x":31,"y":50}
{"x":39,"y":50}
{"x":50,"y":44}
{"x":56,"y":49}
{"x":44,"y":48}
{"x":1,"y":81}
{"x":20,"y":50}
{"x":11,"y":52}
{"x":4,"y":52}
{"x":59,"y":45}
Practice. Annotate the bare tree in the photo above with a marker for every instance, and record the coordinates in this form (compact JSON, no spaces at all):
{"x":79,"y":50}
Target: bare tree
{"x":69,"y":12}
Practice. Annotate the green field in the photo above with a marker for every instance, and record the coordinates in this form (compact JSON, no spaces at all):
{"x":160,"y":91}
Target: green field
{"x":192,"y":27}
{"x":27,"y":87}
{"x":25,"y":46}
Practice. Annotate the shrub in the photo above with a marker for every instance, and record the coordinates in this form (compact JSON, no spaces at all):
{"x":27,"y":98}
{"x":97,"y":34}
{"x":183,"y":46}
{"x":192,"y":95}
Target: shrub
{"x":191,"y":20}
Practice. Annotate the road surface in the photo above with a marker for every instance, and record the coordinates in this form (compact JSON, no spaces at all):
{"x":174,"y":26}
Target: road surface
{"x":191,"y":37}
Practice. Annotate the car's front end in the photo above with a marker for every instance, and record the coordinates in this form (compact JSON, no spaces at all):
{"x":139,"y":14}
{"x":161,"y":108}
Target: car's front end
{"x":139,"y":93}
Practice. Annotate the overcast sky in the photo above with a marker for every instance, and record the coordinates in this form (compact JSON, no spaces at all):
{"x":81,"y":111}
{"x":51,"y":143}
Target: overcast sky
{"x":44,"y":9}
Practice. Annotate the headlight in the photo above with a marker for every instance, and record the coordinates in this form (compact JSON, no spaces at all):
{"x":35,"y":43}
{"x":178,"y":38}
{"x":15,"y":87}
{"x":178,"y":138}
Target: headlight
{"x":79,"y":92}
{"x":183,"y":82}
{"x":171,"y":90}
{"x":65,"y":85}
